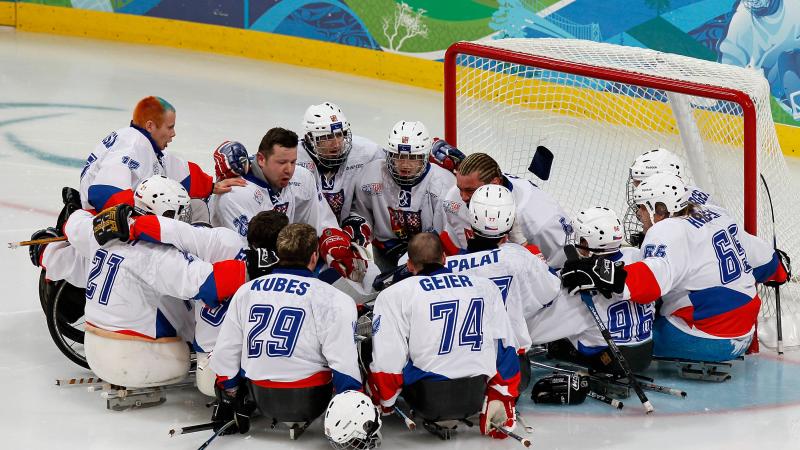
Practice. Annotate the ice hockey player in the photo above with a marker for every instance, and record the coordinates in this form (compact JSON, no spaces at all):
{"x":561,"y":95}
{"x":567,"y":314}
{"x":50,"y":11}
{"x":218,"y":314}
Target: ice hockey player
{"x":136,"y":323}
{"x":540,"y":220}
{"x":291,"y":334}
{"x":444,"y":341}
{"x":525,"y":281}
{"x":694,"y":260}
{"x":401,"y":196}
{"x":131,"y":154}
{"x":568,"y":327}
{"x":274,"y":182}
{"x":209,"y":244}
{"x":352,"y":422}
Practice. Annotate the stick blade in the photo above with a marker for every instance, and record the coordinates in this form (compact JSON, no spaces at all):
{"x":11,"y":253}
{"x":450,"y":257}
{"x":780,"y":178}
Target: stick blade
{"x":541,"y":163}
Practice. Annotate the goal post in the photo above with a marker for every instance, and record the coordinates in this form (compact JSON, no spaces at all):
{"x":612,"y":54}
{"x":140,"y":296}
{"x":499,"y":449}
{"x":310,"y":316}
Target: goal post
{"x":598,"y":106}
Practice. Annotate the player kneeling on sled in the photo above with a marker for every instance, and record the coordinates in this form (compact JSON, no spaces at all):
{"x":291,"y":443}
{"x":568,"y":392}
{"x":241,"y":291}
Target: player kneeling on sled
{"x":137,"y":325}
{"x":292,"y":335}
{"x":444,"y":341}
{"x":567,"y":325}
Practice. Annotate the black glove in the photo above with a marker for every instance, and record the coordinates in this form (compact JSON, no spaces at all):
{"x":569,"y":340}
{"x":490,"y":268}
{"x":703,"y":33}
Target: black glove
{"x":232,"y":407}
{"x":561,"y":389}
{"x":72,"y":203}
{"x":599,"y":274}
{"x":112,"y":223}
{"x":391,"y":277}
{"x":36,"y":250}
{"x":779,"y":278}
{"x":260,"y":262}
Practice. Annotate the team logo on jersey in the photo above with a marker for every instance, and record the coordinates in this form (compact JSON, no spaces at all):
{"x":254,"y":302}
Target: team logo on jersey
{"x":404,"y":198}
{"x":281,"y":207}
{"x":240,"y":224}
{"x":376,"y":324}
{"x":258,"y":196}
{"x":308,"y":165}
{"x":566,"y":225}
{"x":328,"y":179}
{"x":130,"y":162}
{"x":110,"y":139}
{"x":336,"y":201}
{"x":156,"y":168}
{"x":187,"y":256}
{"x":451,"y":207}
{"x":405,"y":223}
{"x":372,"y":188}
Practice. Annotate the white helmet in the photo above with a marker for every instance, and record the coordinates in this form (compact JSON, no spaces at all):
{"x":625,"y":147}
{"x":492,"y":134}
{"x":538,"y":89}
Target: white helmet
{"x":649,"y":163}
{"x":663,"y":188}
{"x":601,"y":229}
{"x":352,"y":421}
{"x":323,"y":124}
{"x":492,"y":211}
{"x":162,"y":196}
{"x":408,"y":141}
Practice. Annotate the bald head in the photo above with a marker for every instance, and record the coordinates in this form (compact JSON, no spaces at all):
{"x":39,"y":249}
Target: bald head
{"x":424,"y":248}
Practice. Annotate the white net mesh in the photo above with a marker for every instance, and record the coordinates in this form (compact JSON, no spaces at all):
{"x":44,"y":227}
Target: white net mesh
{"x":596,"y":128}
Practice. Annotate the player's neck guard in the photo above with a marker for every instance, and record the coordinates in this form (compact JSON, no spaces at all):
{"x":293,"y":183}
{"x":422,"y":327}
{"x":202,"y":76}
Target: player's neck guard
{"x":433,"y":269}
{"x":480,"y":243}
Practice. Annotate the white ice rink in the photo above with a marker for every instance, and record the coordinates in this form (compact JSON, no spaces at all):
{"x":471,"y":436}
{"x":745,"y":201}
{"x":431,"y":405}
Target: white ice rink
{"x":59,"y":96}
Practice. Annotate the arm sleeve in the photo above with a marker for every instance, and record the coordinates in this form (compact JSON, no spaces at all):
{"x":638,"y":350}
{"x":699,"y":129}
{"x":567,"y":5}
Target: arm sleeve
{"x":182,"y":275}
{"x":196,"y":182}
{"x":210,"y":244}
{"x":761,"y":256}
{"x":648,"y":279}
{"x":506,"y":380}
{"x":389,"y":347}
{"x":113,"y":183}
{"x":226,"y":358}
{"x":80,"y":232}
{"x":338,"y":342}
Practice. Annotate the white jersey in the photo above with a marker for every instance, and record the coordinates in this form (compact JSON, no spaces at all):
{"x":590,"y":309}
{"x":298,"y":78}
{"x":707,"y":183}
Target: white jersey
{"x":339,"y":186}
{"x":629,"y":323}
{"x":442,"y":326}
{"x":301,"y":201}
{"x":525,"y":282}
{"x":126,"y":157}
{"x":288,"y":329}
{"x":540,"y":219}
{"x":699,"y":267}
{"x":395,"y":213}
{"x":135,"y":287}
{"x":62,"y":261}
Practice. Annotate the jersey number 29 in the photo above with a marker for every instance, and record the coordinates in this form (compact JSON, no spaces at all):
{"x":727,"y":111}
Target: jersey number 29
{"x":285,"y":329}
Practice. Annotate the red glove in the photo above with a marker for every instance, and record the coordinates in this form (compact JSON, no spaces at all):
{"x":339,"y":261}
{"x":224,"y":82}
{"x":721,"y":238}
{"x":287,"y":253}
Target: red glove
{"x":230,"y":160}
{"x":336,"y":249}
{"x":497,"y":409}
{"x":358,"y":229}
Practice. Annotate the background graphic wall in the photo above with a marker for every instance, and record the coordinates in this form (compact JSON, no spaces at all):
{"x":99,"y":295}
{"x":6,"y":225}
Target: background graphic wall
{"x":763,"y":34}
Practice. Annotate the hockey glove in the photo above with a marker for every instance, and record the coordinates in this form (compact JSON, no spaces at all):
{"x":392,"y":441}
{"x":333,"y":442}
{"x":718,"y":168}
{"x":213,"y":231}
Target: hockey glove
{"x":72,"y":203}
{"x":113,"y":223}
{"x":391,"y":277}
{"x":260,"y":262}
{"x":445,"y":155}
{"x":341,"y":255}
{"x":561,"y":389}
{"x":36,"y":251}
{"x":784,"y":271}
{"x":230,"y":160}
{"x":358,"y":229}
{"x":497,"y":409}
{"x":599,"y":274}
{"x":232,"y":407}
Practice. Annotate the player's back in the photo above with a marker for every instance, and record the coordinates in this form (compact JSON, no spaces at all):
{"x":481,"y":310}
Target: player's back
{"x":525,"y":281}
{"x":703,"y":272}
{"x":293,"y":327}
{"x":444,"y":325}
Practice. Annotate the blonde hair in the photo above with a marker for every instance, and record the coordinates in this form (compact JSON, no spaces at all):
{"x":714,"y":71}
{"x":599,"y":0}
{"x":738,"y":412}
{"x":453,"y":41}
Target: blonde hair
{"x":485,"y":165}
{"x":296,"y":243}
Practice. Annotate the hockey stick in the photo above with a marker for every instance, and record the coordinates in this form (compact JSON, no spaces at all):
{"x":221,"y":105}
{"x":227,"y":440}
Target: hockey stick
{"x":219,"y":432}
{"x":13,"y":245}
{"x":524,"y":441}
{"x":586,"y":298}
{"x":777,"y":288}
{"x":605,"y":399}
{"x":193,"y":428}
{"x":410,"y":424}
{"x":521,"y":420}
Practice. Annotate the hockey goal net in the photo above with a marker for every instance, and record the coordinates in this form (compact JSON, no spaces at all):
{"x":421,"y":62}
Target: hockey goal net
{"x":598,"y":106}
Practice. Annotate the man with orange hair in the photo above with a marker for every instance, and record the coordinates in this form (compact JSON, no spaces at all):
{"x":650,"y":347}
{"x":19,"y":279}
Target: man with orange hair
{"x":131,"y":154}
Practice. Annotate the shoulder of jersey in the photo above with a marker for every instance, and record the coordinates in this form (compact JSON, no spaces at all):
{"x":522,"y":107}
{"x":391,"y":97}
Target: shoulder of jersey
{"x":365,"y":148}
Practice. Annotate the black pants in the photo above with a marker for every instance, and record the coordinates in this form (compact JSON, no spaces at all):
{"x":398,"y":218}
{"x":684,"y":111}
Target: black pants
{"x":292,"y":404}
{"x":454,"y":399}
{"x":638,"y":356}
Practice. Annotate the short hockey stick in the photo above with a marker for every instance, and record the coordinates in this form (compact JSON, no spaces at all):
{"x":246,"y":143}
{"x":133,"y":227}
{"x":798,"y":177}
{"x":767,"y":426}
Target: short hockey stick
{"x":410,"y":424}
{"x":13,"y":245}
{"x":777,"y":288}
{"x":192,"y":428}
{"x":524,"y":441}
{"x":219,"y":432}
{"x":605,"y":399}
